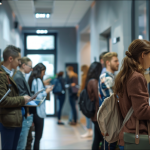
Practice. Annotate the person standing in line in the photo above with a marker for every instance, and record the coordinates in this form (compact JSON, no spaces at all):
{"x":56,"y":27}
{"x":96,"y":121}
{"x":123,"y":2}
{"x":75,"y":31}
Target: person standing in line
{"x":11,"y":108}
{"x":102,"y":62}
{"x":24,"y":89}
{"x":61,"y":96}
{"x":36,"y":84}
{"x":73,"y":90}
{"x":84,"y":69}
{"x":107,"y":82}
{"x":92,"y":90}
{"x":131,"y":88}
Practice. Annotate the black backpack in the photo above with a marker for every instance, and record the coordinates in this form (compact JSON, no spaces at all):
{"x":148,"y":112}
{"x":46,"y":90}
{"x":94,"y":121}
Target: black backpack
{"x":86,"y":105}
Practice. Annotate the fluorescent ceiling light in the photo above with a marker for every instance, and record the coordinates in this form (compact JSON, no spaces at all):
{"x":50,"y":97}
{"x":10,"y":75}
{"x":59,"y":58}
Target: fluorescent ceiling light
{"x":41,"y":31}
{"x":0,"y":2}
{"x":42,"y":15}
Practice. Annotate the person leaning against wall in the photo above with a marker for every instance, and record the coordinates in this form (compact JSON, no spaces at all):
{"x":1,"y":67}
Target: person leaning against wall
{"x":84,"y":69}
{"x":72,"y":81}
{"x":24,"y":89}
{"x":11,"y":108}
{"x":36,"y":84}
{"x":131,"y":88}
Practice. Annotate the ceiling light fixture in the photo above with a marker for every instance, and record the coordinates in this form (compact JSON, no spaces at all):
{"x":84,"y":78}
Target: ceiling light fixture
{"x":42,"y":15}
{"x":0,"y":2}
{"x":41,"y":31}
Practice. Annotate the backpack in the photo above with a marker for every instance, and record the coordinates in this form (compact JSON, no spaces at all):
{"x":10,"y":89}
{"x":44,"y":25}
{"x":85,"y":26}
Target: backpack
{"x":110,"y":119}
{"x":57,"y":86}
{"x":86,"y":105}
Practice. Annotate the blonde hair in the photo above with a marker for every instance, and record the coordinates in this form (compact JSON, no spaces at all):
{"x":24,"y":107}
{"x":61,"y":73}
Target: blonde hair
{"x":24,"y":60}
{"x":108,"y":56}
{"x":69,"y":68}
{"x":84,"y":69}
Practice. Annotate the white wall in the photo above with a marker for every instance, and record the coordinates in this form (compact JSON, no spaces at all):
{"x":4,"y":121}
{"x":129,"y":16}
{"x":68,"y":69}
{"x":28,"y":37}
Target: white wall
{"x":8,"y":35}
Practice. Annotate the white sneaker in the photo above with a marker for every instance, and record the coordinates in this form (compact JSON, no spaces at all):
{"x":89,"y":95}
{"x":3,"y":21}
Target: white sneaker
{"x":87,"y":134}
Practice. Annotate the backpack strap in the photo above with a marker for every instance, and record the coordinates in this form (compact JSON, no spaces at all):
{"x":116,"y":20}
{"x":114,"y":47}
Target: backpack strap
{"x":130,"y":112}
{"x":9,"y":84}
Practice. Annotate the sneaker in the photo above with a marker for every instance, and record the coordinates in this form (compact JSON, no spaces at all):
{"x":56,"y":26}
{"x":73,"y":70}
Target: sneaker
{"x":87,"y":134}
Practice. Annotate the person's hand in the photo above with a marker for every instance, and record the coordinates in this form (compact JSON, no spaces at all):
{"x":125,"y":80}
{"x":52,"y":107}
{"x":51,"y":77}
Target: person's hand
{"x":46,"y":82}
{"x":26,"y":98}
{"x":73,"y":84}
{"x":49,"y":89}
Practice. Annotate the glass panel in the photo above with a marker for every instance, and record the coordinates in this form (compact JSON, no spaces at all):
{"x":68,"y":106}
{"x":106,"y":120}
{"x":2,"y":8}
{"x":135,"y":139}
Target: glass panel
{"x":141,"y":21}
{"x":40,"y":42}
{"x":48,"y":61}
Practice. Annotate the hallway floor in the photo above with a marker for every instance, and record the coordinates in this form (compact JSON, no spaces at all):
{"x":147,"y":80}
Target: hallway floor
{"x":63,"y":137}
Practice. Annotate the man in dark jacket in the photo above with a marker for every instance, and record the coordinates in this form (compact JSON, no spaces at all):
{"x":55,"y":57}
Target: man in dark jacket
{"x":24,"y":89}
{"x":11,"y":110}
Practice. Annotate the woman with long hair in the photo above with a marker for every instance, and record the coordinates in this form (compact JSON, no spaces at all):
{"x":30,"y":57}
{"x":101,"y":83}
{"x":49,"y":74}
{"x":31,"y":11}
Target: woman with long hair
{"x":131,"y":88}
{"x":84,"y":69}
{"x":92,"y":89}
{"x":36,"y":84}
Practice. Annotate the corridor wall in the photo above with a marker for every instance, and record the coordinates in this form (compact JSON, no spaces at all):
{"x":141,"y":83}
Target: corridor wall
{"x":104,"y":15}
{"x":8,"y":34}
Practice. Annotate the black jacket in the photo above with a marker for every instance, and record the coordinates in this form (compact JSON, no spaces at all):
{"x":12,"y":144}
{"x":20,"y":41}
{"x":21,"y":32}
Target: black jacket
{"x":23,"y":86}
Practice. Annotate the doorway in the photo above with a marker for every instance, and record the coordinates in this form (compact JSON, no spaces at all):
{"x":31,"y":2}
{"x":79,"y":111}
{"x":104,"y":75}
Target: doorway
{"x":42,"y":49}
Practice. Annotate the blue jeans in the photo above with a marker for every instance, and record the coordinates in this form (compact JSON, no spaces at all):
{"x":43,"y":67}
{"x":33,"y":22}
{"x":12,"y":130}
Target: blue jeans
{"x":88,"y":123}
{"x":61,"y":99}
{"x":27,"y":122}
{"x":72,"y":100}
{"x":121,"y":147}
{"x":9,"y":137}
{"x":112,"y":145}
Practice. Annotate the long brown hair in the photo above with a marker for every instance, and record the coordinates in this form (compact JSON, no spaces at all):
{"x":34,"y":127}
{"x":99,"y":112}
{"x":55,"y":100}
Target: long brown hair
{"x":130,"y":64}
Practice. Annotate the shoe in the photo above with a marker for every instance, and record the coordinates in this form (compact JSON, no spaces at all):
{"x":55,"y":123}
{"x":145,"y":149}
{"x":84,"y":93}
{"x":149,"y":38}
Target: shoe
{"x":73,"y":123}
{"x":87,"y":134}
{"x":60,"y":123}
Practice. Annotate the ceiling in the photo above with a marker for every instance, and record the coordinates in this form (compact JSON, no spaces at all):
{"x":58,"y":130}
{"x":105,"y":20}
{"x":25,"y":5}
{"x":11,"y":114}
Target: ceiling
{"x":63,"y":13}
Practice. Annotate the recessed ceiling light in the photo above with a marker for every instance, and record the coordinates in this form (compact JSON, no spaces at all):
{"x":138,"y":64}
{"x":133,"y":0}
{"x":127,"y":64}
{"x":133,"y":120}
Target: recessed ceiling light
{"x":0,"y":2}
{"x":41,"y":31}
{"x":42,"y":15}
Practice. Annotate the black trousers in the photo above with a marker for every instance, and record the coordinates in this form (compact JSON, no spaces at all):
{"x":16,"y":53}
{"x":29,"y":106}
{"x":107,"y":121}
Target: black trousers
{"x":61,"y":99}
{"x":97,"y":137}
{"x":39,"y":123}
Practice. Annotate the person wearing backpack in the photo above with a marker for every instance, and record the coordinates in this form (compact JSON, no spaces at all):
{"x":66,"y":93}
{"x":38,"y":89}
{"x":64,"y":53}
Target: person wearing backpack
{"x":89,"y":133}
{"x":106,"y":83}
{"x":61,"y":96}
{"x":73,"y":90}
{"x":131,"y":88}
{"x":92,"y":90}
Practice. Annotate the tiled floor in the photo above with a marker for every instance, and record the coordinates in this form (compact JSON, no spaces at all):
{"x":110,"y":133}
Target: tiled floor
{"x":63,"y":137}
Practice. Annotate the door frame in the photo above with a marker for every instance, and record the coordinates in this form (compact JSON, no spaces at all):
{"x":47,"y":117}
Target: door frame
{"x":49,"y":51}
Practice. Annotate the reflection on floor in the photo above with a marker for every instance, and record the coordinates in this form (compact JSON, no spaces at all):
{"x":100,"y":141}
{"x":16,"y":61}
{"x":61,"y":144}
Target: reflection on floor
{"x":63,"y":137}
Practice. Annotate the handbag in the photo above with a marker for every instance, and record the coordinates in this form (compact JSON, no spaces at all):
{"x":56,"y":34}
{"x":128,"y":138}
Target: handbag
{"x":137,"y":141}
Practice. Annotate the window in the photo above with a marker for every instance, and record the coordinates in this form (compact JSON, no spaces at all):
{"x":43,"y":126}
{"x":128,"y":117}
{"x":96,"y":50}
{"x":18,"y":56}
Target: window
{"x":40,"y":42}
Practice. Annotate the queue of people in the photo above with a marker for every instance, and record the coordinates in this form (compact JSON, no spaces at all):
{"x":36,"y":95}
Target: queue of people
{"x":100,"y":82}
